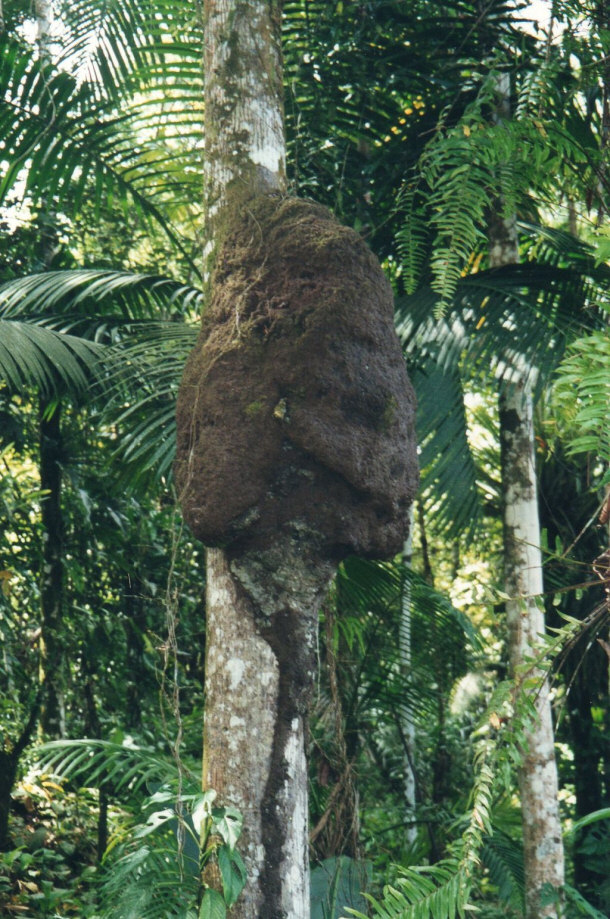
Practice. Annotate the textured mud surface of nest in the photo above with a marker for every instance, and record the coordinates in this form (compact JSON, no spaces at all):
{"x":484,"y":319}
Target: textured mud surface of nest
{"x":295,"y":414}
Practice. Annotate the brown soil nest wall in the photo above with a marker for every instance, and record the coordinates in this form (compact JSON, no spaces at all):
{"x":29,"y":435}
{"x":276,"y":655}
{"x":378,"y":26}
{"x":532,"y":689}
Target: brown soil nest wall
{"x":295,"y":414}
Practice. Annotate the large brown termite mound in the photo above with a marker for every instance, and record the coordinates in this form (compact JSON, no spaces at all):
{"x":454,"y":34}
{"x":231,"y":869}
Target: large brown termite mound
{"x":295,"y":414}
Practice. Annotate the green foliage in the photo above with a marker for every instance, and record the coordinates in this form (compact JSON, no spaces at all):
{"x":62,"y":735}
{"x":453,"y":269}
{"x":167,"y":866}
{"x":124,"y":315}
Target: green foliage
{"x":443,"y":890}
{"x":369,"y":598}
{"x":48,"y":870}
{"x":337,"y":884}
{"x":582,"y":396}
{"x":47,"y":359}
{"x":391,"y":122}
{"x":67,"y":135}
{"x":155,"y":861}
{"x":90,"y":763}
{"x":511,"y":320}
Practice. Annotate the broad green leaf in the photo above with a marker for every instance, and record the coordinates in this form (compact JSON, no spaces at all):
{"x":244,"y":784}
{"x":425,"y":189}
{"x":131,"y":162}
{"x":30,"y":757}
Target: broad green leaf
{"x":227,"y":823}
{"x":212,"y":906}
{"x":202,"y":809}
{"x":155,"y":821}
{"x":233,"y":873}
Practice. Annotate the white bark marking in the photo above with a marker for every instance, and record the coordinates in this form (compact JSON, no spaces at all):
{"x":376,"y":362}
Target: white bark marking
{"x":239,"y":716}
{"x":236,"y":668}
{"x":406,"y":715}
{"x":244,"y":111}
{"x":295,"y":862}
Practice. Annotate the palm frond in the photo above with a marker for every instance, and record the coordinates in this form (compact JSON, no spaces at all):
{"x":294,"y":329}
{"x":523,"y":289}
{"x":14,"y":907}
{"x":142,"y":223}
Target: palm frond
{"x":449,"y":489}
{"x":146,"y":883}
{"x":138,"y":369}
{"x":64,"y":141}
{"x":372,"y":591}
{"x":128,"y":296}
{"x":129,"y":770}
{"x":435,"y":892}
{"x":116,"y":43}
{"x":144,"y":372}
{"x":503,"y":858}
{"x":442,"y":891}
{"x":518,"y":319}
{"x":34,"y":356}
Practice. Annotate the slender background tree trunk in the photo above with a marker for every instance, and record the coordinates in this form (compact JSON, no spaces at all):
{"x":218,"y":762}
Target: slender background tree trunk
{"x":542,"y":840}
{"x":407,"y":720}
{"x":52,"y":572}
{"x":52,"y":716}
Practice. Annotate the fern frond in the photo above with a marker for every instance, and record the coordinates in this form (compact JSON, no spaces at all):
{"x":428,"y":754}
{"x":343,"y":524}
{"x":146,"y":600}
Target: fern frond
{"x":412,"y":237}
{"x":582,"y":396}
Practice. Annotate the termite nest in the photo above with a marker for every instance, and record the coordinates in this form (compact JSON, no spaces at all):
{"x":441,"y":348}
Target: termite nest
{"x":295,"y":414}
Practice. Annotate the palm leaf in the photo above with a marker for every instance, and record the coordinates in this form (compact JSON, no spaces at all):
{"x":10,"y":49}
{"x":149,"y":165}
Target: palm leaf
{"x":31,"y":355}
{"x":503,"y":858}
{"x":128,"y":770}
{"x":373,"y":591}
{"x":518,"y":319}
{"x":67,"y":140}
{"x":124,"y":295}
{"x":138,"y":375}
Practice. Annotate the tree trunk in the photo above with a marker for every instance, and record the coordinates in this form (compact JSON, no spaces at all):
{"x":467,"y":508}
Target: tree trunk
{"x":9,"y":764}
{"x":260,"y":655}
{"x":407,"y":721}
{"x":52,"y":573}
{"x":258,"y":683}
{"x":292,"y":524}
{"x":245,"y":150}
{"x":542,"y":840}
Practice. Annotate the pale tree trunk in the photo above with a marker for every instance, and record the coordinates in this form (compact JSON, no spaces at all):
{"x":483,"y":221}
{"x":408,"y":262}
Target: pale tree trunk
{"x":257,"y":685}
{"x":407,"y":721}
{"x":43,"y":11}
{"x":542,"y":841}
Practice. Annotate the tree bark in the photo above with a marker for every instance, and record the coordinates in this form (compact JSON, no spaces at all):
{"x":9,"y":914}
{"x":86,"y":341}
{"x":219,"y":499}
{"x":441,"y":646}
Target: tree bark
{"x":9,"y":764}
{"x":260,"y":665}
{"x":52,"y":573}
{"x":261,"y":611}
{"x":542,"y":840}
{"x":245,"y":149}
{"x":407,"y":721}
